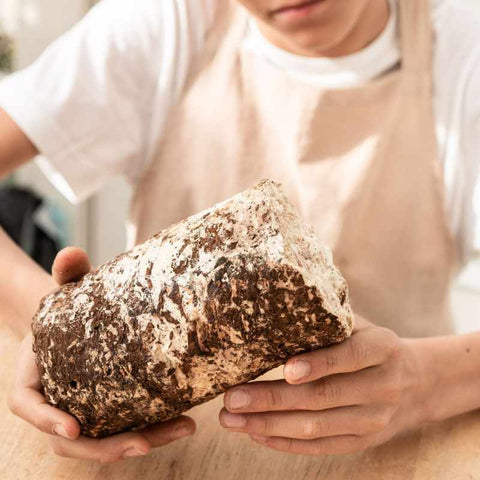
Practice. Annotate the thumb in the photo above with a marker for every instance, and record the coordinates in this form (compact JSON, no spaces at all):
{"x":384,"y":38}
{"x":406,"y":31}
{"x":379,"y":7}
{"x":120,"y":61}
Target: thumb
{"x":70,"y":265}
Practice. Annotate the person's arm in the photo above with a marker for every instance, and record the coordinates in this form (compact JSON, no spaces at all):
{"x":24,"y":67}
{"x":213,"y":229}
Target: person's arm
{"x":15,"y":147}
{"x":451,"y":369}
{"x":22,"y":285}
{"x":22,"y":282}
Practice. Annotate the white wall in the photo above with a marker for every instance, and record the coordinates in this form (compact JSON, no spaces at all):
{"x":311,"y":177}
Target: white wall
{"x":8,"y":14}
{"x":41,"y":21}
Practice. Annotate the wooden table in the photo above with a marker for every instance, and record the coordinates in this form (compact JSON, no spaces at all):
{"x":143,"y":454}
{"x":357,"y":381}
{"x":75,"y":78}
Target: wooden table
{"x":447,"y":451}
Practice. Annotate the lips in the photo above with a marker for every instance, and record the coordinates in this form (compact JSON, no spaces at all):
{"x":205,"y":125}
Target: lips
{"x":295,"y":7}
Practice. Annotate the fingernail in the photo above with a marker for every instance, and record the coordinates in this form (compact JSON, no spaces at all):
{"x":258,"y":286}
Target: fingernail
{"x":259,"y":438}
{"x":238,"y":398}
{"x":183,"y":431}
{"x":298,"y":370}
{"x":133,"y":452}
{"x":59,"y":429}
{"x":233,"y":420}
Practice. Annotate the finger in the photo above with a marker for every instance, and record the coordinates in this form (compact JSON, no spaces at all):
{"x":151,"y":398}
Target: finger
{"x":322,"y":446}
{"x":163,"y":433}
{"x":124,"y":445}
{"x":103,"y":450}
{"x":31,"y":406}
{"x":70,"y":265}
{"x":28,"y":403}
{"x":306,"y":425}
{"x":340,"y":390}
{"x":369,"y":347}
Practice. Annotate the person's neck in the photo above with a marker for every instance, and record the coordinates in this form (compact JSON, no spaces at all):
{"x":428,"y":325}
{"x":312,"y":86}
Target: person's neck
{"x":369,"y":26}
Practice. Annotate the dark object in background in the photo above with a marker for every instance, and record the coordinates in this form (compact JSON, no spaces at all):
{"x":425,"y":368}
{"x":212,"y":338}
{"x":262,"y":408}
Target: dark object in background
{"x":6,"y":53}
{"x":17,"y":217}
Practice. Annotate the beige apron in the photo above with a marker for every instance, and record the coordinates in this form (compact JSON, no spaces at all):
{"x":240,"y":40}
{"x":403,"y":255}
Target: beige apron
{"x":360,"y":163}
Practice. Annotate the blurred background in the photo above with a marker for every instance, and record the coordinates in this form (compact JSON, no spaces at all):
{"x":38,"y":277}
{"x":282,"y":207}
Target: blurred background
{"x":98,"y":225}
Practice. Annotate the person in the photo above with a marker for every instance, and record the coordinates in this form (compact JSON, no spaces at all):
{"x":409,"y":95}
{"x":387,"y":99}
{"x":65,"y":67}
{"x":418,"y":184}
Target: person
{"x":367,"y":111}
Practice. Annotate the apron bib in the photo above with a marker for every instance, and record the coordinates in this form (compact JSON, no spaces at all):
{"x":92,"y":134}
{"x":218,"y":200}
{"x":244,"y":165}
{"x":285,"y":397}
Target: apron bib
{"x":360,"y":163}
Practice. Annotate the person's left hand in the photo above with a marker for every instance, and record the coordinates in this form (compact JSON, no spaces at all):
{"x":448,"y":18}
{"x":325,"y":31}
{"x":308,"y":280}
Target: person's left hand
{"x":340,"y":399}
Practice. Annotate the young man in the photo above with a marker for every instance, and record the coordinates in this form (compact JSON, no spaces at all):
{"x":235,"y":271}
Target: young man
{"x":366,"y":110}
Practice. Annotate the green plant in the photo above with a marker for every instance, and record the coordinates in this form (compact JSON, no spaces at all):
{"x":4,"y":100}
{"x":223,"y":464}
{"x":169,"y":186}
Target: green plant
{"x":6,"y":53}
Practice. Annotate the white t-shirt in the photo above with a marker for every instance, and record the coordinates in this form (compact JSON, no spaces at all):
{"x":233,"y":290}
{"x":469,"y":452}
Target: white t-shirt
{"x":96,"y":102}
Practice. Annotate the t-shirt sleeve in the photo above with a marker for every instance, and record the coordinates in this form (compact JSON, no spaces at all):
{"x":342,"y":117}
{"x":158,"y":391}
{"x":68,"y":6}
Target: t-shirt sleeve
{"x":97,"y":98}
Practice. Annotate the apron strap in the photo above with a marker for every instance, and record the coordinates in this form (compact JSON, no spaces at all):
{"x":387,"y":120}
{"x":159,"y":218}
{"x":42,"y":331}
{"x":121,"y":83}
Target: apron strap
{"x":416,"y":35}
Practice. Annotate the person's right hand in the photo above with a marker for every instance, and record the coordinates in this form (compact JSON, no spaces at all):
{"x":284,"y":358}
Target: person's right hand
{"x":27,"y":401}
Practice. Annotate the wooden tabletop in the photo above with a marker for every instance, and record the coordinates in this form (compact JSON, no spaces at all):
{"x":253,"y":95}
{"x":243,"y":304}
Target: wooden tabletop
{"x":447,"y":451}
